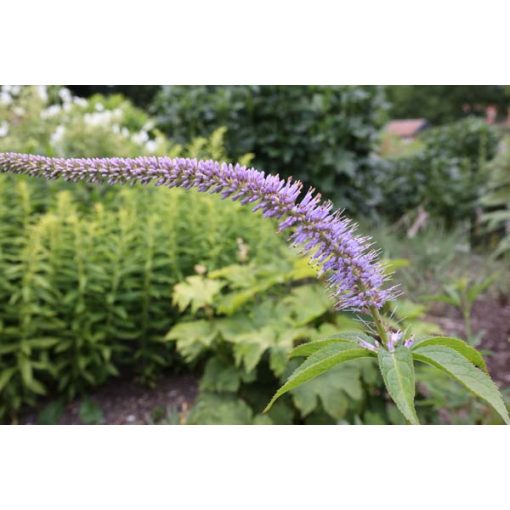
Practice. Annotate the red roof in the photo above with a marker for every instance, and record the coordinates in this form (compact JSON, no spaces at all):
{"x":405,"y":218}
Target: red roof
{"x":406,"y":128}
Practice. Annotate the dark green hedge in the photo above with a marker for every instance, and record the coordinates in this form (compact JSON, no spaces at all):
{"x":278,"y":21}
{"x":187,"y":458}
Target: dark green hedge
{"x":324,"y":136}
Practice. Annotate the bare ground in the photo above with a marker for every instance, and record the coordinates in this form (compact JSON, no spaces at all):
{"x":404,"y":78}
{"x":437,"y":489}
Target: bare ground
{"x":126,"y":402}
{"x":491,"y":316}
{"x":130,"y":403}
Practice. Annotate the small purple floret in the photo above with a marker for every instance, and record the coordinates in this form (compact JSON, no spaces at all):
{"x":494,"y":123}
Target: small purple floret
{"x":354,"y":277}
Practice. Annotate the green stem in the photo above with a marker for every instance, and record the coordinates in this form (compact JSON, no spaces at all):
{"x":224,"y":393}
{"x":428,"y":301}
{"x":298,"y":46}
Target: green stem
{"x":467,"y":324}
{"x":378,"y":321}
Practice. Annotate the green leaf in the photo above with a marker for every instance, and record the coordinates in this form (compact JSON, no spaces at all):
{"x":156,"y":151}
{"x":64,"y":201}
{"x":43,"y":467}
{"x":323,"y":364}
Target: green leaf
{"x":192,"y":337}
{"x":230,"y":303}
{"x":222,"y":376}
{"x":331,"y":388}
{"x":398,"y":373}
{"x":462,"y":370}
{"x":42,"y":343}
{"x":51,"y":414}
{"x":470,"y":353}
{"x":5,"y":376}
{"x":25,"y":368}
{"x":308,"y":303}
{"x":196,"y":291}
{"x":311,"y":347}
{"x":220,"y":409}
{"x":90,"y":413}
{"x":318,"y":363}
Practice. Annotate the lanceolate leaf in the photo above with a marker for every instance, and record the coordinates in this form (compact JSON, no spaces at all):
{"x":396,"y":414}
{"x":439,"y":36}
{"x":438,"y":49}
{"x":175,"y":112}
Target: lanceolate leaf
{"x":459,"y":368}
{"x":310,"y":348}
{"x":398,"y":373}
{"x":318,"y":363}
{"x":349,"y":337}
{"x":470,"y":353}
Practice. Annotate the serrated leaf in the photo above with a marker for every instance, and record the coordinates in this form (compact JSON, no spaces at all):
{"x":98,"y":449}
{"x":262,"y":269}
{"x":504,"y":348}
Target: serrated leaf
{"x":332,"y":389}
{"x":469,"y":352}
{"x":249,"y":347}
{"x":196,"y":291}
{"x":220,"y":376}
{"x":398,"y":373}
{"x":462,"y":370}
{"x":317,"y":364}
{"x":192,"y":337}
{"x":307,"y":303}
{"x":220,"y":409}
{"x":309,"y":348}
{"x":230,"y":303}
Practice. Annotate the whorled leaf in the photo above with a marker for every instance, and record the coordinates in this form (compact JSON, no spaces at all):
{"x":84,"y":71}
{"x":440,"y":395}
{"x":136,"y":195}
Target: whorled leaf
{"x":469,"y":352}
{"x":462,"y":370}
{"x":398,"y":373}
{"x":318,"y":363}
{"x":309,"y":348}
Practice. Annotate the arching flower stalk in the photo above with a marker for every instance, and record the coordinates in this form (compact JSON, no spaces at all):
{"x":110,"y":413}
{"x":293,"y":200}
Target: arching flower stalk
{"x":354,"y":276}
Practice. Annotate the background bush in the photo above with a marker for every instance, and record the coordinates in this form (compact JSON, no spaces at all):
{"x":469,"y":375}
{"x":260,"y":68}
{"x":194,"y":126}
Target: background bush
{"x":86,"y":272}
{"x":441,"y":104}
{"x":324,"y":136}
{"x":447,"y":174}
{"x":99,"y":282}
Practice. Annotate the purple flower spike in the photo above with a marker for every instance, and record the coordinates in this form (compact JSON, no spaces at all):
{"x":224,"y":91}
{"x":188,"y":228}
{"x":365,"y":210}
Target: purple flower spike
{"x":354,"y":277}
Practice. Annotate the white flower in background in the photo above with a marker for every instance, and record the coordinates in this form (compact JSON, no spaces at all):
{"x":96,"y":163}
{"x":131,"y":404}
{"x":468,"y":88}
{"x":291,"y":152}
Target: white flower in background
{"x":13,"y":90}
{"x":19,"y":111}
{"x":140,"y":138}
{"x":52,"y":111}
{"x":42,"y":92}
{"x":151,"y":146}
{"x":5,"y":96}
{"x":99,"y":107}
{"x":4,"y":128}
{"x":79,"y":101}
{"x":102,"y":118}
{"x":57,"y":136}
{"x":65,"y":95}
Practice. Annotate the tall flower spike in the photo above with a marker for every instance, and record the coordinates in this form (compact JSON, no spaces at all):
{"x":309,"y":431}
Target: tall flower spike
{"x":354,"y":277}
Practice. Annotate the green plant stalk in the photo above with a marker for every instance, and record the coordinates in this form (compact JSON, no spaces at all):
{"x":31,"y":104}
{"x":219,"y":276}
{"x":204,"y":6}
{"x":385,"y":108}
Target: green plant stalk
{"x":379,"y":325}
{"x":465,"y":308}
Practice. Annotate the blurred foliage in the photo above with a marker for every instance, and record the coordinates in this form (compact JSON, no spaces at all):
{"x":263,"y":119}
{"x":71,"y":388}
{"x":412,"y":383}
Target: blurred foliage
{"x":446,"y":177}
{"x":92,"y":278}
{"x":434,"y":257}
{"x":441,"y":104}
{"x":86,"y":272}
{"x":462,"y":294}
{"x":139,"y":95}
{"x":242,"y":333}
{"x":90,"y":413}
{"x":496,"y":201}
{"x":51,"y":121}
{"x":444,"y":401}
{"x":392,"y":146}
{"x":324,"y":136}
